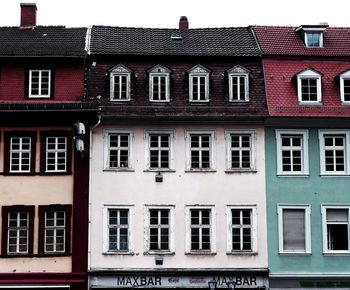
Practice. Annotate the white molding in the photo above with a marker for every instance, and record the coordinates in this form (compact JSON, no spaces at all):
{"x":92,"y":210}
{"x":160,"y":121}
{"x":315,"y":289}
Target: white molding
{"x":253,"y":138}
{"x":310,"y":74}
{"x":188,"y":134}
{"x":198,"y":71}
{"x":39,"y":95}
{"x":344,"y":76}
{"x":239,"y":71}
{"x":346,"y":134}
{"x":313,"y":30}
{"x":254,"y":232}
{"x":307,"y":210}
{"x":119,"y":71}
{"x":304,"y":133}
{"x":106,"y":133}
{"x":153,"y":75}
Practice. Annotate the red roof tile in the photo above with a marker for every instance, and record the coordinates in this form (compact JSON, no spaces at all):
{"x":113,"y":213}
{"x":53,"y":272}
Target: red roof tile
{"x":274,"y":40}
{"x":281,"y":88}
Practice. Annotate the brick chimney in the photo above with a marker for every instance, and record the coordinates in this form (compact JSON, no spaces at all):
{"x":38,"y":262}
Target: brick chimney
{"x":28,"y":14}
{"x":183,"y":24}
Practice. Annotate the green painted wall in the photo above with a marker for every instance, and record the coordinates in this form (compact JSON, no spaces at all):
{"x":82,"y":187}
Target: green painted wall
{"x":313,"y":190}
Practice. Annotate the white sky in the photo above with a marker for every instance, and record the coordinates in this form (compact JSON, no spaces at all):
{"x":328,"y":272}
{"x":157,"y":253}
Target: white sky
{"x":166,"y":13}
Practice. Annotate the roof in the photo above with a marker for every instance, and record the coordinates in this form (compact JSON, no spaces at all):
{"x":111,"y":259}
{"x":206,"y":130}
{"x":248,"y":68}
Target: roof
{"x":281,"y":88}
{"x":185,"y":42}
{"x":275,"y":40}
{"x":53,"y":41}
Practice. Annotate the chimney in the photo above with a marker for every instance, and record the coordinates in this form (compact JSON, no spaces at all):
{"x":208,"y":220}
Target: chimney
{"x":28,"y":14}
{"x":183,"y":24}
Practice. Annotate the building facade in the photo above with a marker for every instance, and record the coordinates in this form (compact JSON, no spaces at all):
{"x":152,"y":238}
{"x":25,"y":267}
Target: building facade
{"x":44,"y":178}
{"x":307,"y":148}
{"x":177,"y":181}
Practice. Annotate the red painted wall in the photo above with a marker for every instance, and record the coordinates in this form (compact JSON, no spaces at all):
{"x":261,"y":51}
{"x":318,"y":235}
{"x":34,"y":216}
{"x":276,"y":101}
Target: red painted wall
{"x":281,"y":87}
{"x":68,"y":83}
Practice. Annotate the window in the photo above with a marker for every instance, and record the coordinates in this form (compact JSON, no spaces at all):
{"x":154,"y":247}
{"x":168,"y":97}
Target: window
{"x":314,"y":39}
{"x":39,"y":83}
{"x":294,"y":229}
{"x":17,"y":229}
{"x":120,"y":83}
{"x":56,"y":150}
{"x":335,"y":229}
{"x":334,"y":147}
{"x":238,"y":84}
{"x":199,"y":84}
{"x":159,"y":84}
{"x":54,"y":229}
{"x":20,"y":152}
{"x":309,"y":87}
{"x":159,"y":229}
{"x":159,"y":150}
{"x":292,"y":152}
{"x":117,"y":229}
{"x":200,"y":230}
{"x":240,"y":146}
{"x":200,"y":150}
{"x":345,"y":87}
{"x":118,"y":149}
{"x":241,"y":229}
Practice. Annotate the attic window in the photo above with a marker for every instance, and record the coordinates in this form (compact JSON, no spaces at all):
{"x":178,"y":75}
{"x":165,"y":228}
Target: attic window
{"x":314,"y":39}
{"x":176,"y":37}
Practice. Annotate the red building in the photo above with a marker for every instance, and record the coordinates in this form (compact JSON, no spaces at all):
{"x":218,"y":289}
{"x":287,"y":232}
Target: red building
{"x":44,"y":168}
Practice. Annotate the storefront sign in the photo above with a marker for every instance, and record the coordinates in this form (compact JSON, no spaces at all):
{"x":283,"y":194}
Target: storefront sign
{"x":157,"y":281}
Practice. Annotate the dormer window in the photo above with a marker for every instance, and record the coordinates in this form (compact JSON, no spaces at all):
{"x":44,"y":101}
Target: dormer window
{"x":39,"y":83}
{"x":159,"y":84}
{"x":199,"y":84}
{"x":309,"y":87}
{"x":120,"y":83}
{"x":313,"y":35}
{"x":238,"y":84}
{"x":344,"y":79}
{"x":314,"y":39}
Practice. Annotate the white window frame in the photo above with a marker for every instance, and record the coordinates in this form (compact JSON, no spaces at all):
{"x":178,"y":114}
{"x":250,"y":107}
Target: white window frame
{"x":324,"y":208}
{"x":39,"y":95}
{"x":252,"y":134}
{"x":154,"y":73}
{"x":313,"y":31}
{"x":346,"y":134}
{"x":309,"y":74}
{"x":18,"y":229}
{"x":304,"y":155}
{"x":147,"y":226}
{"x":55,"y":228}
{"x":345,"y":76}
{"x":212,"y":209}
{"x":237,"y":72}
{"x":56,"y":151}
{"x":307,"y":209}
{"x":254,"y":239}
{"x":120,"y":71}
{"x":171,"y":133}
{"x":188,"y":134}
{"x":106,"y":134}
{"x":197,"y":72}
{"x":131,"y":216}
{"x":21,"y":151}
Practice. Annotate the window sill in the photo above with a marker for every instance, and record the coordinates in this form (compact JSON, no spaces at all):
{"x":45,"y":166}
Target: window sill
{"x":293,"y":175}
{"x":162,"y":253}
{"x":205,"y":102}
{"x":49,"y":255}
{"x":230,"y":171}
{"x":327,"y":175}
{"x":56,"y":173}
{"x":242,"y":253}
{"x":336,"y":253}
{"x":295,"y":253}
{"x":39,"y":97}
{"x":301,"y":103}
{"x":160,"y":102}
{"x":121,"y":101}
{"x":119,"y":253}
{"x":200,"y":171}
{"x":160,"y":170}
{"x":245,"y":102}
{"x":118,"y":170}
{"x":201,"y":253}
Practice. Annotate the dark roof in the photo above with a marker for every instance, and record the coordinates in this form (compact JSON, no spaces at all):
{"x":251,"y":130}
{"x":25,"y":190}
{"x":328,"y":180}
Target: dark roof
{"x":274,"y":40}
{"x":188,"y":42}
{"x":42,"y":41}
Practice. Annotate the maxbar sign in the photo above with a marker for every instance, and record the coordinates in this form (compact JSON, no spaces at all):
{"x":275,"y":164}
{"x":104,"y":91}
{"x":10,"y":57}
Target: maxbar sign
{"x":159,"y":281}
